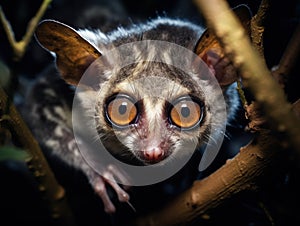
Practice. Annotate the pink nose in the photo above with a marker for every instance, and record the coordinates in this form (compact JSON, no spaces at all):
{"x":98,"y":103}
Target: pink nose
{"x":154,"y":154}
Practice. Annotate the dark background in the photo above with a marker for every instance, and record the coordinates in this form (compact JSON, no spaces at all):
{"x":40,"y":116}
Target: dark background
{"x":20,"y":200}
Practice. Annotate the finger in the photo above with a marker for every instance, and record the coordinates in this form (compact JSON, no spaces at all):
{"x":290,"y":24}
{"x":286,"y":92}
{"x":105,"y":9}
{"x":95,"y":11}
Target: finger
{"x":100,"y":189}
{"x":109,"y":178}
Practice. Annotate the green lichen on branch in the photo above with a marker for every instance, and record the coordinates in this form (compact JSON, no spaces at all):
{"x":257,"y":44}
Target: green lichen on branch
{"x":241,"y":94}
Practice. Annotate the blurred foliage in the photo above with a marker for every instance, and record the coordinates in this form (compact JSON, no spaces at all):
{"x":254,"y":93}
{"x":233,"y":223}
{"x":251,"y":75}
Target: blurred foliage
{"x":13,"y":153}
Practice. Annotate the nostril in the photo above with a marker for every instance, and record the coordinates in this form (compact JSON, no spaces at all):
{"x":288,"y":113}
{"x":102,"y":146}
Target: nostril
{"x":148,"y":154}
{"x":158,"y":152}
{"x":154,"y":154}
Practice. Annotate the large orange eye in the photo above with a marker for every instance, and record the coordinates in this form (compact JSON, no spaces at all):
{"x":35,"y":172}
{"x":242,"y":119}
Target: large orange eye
{"x":121,"y":110}
{"x":186,"y":113}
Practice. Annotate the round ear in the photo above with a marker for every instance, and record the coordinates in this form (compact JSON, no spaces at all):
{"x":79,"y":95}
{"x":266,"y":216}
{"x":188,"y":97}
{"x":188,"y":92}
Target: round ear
{"x":211,"y":52}
{"x":73,"y":53}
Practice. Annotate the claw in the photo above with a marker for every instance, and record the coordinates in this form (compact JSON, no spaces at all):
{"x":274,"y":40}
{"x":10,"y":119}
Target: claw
{"x":122,"y":195}
{"x":131,"y":206}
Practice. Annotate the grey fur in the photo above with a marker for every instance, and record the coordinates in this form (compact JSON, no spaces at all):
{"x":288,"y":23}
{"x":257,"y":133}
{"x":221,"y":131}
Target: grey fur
{"x":48,"y":109}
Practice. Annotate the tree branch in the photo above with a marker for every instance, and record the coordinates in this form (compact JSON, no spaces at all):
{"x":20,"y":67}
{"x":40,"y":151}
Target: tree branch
{"x":250,"y":167}
{"x":288,"y":58}
{"x":246,"y":171}
{"x":257,"y":27}
{"x":52,"y":192}
{"x":11,"y":123}
{"x":19,"y":47}
{"x":239,"y":174}
{"x":255,"y":75}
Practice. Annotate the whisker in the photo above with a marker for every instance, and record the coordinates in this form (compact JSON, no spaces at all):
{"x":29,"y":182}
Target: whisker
{"x":137,"y":131}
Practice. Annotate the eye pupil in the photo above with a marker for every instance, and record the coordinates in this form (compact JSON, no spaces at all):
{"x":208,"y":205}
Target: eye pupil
{"x":185,"y":111}
{"x":123,"y":108}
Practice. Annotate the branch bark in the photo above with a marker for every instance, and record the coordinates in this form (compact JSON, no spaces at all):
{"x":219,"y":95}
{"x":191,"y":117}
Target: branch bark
{"x":12,"y":123}
{"x":254,"y":73}
{"x":257,"y":27}
{"x":51,"y":191}
{"x":241,"y":173}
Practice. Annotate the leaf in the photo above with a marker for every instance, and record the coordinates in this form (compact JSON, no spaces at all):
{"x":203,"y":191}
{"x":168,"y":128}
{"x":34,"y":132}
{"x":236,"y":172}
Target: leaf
{"x":13,"y":153}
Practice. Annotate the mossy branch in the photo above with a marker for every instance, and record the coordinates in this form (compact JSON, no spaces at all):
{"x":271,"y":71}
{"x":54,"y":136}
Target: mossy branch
{"x":19,"y":47}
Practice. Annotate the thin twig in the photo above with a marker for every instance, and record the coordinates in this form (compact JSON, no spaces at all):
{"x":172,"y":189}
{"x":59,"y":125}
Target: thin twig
{"x":7,"y":28}
{"x":257,"y":27}
{"x":267,"y":213}
{"x":288,"y":58}
{"x":19,"y":47}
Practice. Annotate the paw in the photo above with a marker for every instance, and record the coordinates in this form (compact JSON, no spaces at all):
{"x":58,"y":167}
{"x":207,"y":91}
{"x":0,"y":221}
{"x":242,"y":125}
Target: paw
{"x":108,"y":177}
